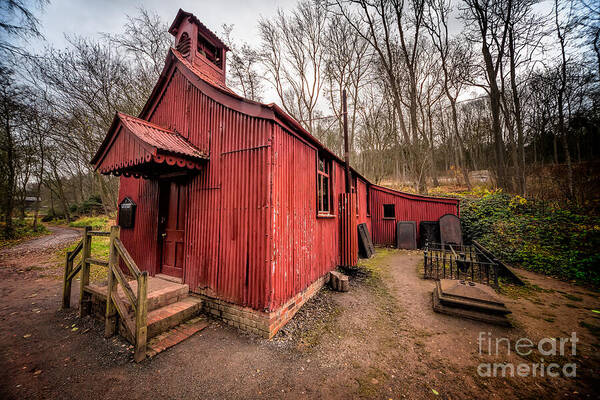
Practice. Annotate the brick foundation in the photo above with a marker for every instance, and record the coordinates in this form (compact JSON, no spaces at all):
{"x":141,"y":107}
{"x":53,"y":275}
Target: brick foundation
{"x":265,"y":324}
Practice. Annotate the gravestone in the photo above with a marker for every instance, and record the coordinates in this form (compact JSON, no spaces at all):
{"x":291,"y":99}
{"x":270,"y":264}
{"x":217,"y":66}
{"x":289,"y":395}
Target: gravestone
{"x":429,"y":232}
{"x":365,"y":244}
{"x":450,"y":231}
{"x":406,"y":235}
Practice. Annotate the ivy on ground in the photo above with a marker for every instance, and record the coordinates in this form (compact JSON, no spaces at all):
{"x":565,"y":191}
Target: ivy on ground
{"x":537,"y":236}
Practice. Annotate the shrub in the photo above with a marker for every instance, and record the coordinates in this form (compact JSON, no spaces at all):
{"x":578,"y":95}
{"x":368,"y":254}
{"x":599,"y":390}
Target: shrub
{"x":22,"y":229}
{"x":53,"y":215}
{"x":544,"y":238}
{"x":96,"y":223}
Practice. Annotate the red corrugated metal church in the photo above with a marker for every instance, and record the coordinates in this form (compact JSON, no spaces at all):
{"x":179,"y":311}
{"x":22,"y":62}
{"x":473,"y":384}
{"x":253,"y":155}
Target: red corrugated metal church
{"x":234,"y":197}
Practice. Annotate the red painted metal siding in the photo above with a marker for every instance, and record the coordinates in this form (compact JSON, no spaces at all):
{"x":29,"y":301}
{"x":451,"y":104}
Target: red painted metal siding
{"x":409,"y":207}
{"x":228,"y":220}
{"x":253,"y":236}
{"x":304,"y":247}
{"x":348,"y":231}
{"x":141,"y":241}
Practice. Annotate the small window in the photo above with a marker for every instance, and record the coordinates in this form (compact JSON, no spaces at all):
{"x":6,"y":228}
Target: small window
{"x":324,"y":186}
{"x":389,"y":211}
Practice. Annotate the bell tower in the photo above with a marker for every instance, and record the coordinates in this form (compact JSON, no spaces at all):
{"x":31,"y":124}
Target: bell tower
{"x":199,"y":45}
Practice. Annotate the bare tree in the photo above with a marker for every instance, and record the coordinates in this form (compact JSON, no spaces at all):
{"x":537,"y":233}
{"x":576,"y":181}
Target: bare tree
{"x":292,"y":54}
{"x":347,"y":66}
{"x":243,"y":67}
{"x":394,"y":31}
{"x":564,"y":26}
{"x":17,"y":21}
{"x":454,"y":58}
{"x":491,"y":32}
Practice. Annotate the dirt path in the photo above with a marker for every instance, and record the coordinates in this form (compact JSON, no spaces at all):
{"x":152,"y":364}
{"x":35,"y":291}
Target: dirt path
{"x":29,"y":252}
{"x":380,"y":340}
{"x":447,"y":349}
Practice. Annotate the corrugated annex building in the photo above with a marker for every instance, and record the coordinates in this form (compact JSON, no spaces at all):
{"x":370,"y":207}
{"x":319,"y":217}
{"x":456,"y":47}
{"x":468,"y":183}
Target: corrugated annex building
{"x":234,"y":197}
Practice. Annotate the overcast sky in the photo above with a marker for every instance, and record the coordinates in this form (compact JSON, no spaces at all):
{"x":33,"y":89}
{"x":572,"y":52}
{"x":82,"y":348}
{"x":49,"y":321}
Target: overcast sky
{"x":92,"y":17}
{"x":89,"y":17}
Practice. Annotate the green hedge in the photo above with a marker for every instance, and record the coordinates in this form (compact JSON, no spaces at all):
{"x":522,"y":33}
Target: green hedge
{"x":537,"y":236}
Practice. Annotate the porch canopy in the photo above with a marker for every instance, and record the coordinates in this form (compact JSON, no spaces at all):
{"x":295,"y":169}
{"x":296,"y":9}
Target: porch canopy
{"x":134,"y":147}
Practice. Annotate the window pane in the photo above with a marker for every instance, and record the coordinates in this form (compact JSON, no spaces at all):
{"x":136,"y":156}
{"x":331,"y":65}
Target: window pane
{"x":319,"y":193}
{"x":325,"y":194}
{"x":389,"y":211}
{"x":321,"y":166}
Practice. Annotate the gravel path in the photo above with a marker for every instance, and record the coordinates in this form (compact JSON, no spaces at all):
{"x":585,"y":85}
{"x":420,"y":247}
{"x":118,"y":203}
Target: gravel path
{"x":59,"y":237}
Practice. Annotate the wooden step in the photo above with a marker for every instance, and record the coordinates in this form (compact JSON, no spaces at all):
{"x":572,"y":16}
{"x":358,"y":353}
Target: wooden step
{"x":169,"y":316}
{"x":160,"y":293}
{"x":169,"y":278}
{"x":175,"y":335}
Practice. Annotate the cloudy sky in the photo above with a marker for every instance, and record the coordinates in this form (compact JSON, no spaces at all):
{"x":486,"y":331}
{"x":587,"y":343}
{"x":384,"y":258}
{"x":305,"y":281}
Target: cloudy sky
{"x":89,"y":17}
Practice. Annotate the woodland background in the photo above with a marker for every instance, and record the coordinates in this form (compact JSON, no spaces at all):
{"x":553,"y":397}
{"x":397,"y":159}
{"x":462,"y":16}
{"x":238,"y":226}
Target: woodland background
{"x":480,"y":98}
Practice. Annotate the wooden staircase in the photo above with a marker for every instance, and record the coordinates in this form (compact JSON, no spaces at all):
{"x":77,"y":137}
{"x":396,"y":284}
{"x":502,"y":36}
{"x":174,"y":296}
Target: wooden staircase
{"x":173,"y":314}
{"x":152,"y":313}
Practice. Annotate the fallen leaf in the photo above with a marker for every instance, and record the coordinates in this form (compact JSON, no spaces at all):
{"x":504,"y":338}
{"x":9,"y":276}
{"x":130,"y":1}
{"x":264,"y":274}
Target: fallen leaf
{"x":74,"y":329}
{"x":435,"y":392}
{"x":596,"y":311}
{"x":27,"y":335}
{"x":39,"y":371}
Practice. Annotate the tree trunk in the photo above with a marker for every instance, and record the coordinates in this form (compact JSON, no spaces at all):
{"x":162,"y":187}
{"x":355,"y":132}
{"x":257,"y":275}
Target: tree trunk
{"x":10,"y":166}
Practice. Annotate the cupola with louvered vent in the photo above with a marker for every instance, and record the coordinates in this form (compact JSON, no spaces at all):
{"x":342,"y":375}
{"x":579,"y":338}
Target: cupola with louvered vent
{"x":199,"y":45}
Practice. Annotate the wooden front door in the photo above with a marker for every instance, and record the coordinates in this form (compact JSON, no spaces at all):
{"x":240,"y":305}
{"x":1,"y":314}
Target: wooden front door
{"x":173,"y":211}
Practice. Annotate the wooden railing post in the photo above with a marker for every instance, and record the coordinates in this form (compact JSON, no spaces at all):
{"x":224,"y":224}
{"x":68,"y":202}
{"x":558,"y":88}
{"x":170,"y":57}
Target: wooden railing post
{"x":67,"y":282}
{"x":110,"y":323}
{"x":84,"y":297}
{"x":141,"y":318}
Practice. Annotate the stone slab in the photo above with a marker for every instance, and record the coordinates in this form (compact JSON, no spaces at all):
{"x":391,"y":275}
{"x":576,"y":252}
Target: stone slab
{"x":365,"y":244}
{"x":450,"y":230}
{"x":483,"y":316}
{"x":406,"y":235}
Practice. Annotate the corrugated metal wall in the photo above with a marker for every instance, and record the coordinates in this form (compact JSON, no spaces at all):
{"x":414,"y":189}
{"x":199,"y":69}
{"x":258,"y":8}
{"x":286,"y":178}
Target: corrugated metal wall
{"x":253,"y":236}
{"x":348,"y":230}
{"x":141,"y":242}
{"x":228,"y":220}
{"x":304,"y":246}
{"x":408,"y":208}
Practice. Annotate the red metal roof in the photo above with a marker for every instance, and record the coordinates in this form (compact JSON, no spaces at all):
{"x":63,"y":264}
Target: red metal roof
{"x":276,"y":114}
{"x":134,"y":147}
{"x":203,"y":75}
{"x":162,"y":139}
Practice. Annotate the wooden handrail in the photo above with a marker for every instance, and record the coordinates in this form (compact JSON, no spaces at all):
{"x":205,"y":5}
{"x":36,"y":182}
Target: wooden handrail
{"x":97,"y":261}
{"x":126,"y":287}
{"x":114,"y":305}
{"x":99,"y":233}
{"x":73,"y":253}
{"x":136,"y":325}
{"x":124,"y":254}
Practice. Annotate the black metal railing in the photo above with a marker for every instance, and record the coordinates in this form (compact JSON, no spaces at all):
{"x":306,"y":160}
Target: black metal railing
{"x":453,"y":261}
